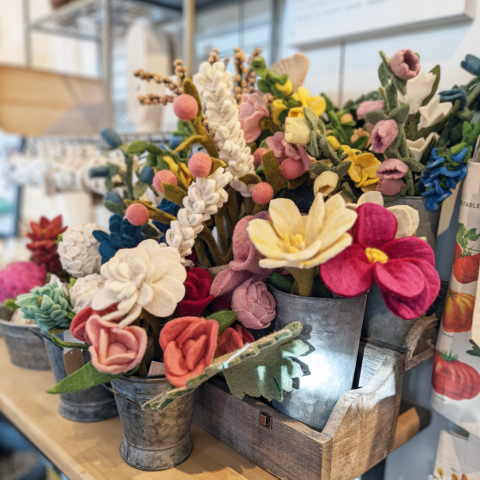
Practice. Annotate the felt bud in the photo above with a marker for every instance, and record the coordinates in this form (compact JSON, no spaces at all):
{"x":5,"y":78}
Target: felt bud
{"x":137,"y":214}
{"x":291,"y":169}
{"x":358,"y":133}
{"x":384,"y":133}
{"x":405,"y":64}
{"x":164,"y":176}
{"x":335,"y":144}
{"x":200,"y":165}
{"x":262,"y":193}
{"x":185,"y":107}
{"x":325,"y":183}
{"x":392,"y":168}
{"x":147,"y":174}
{"x":258,"y":155}
{"x":297,"y":131}
{"x":369,"y":106}
{"x":346,"y":117}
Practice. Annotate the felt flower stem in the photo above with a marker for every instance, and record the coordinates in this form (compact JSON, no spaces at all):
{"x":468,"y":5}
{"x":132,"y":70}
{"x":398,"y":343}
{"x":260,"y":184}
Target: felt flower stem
{"x":207,"y":236}
{"x":155,"y":326}
{"x":62,"y":344}
{"x":249,"y":205}
{"x":220,"y":224}
{"x":303,"y":279}
{"x":202,"y":253}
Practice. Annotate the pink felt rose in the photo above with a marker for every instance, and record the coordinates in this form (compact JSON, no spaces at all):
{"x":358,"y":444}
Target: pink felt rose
{"x":115,"y":350}
{"x":405,"y":64}
{"x":283,"y":150}
{"x":392,"y":168}
{"x":252,"y":110}
{"x":254,"y":305}
{"x":389,"y":186}
{"x":20,"y":277}
{"x":384,"y":133}
{"x":79,"y":322}
{"x":371,"y":106}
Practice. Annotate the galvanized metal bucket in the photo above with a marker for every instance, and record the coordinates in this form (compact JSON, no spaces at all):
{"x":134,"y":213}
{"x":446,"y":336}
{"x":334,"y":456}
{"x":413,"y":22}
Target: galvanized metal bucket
{"x":91,"y":405}
{"x":25,"y":346}
{"x":331,"y":327}
{"x":152,"y":440}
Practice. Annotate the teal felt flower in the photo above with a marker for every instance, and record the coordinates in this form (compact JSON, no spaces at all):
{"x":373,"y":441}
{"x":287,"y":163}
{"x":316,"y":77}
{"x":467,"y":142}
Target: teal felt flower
{"x":47,"y":306}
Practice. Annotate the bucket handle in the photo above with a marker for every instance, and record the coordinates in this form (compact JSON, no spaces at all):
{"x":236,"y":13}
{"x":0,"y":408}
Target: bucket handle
{"x":123,"y":397}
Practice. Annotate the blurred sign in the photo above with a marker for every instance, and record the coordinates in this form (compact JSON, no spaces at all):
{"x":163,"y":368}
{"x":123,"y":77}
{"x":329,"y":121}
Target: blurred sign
{"x":323,"y":21}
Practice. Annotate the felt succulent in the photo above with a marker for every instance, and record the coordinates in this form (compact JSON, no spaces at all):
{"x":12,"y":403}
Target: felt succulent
{"x":43,"y":244}
{"x":47,"y":306}
{"x":84,"y":289}
{"x":78,"y":250}
{"x":20,"y":277}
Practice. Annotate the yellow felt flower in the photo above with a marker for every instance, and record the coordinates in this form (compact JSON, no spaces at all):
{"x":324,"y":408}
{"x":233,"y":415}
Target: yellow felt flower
{"x":363,"y":170}
{"x":277,"y":107}
{"x":316,"y":104}
{"x":287,"y":89}
{"x":333,"y":142}
{"x":325,"y":183}
{"x":351,"y":152}
{"x":179,"y":169}
{"x":293,"y":240}
{"x":297,"y":131}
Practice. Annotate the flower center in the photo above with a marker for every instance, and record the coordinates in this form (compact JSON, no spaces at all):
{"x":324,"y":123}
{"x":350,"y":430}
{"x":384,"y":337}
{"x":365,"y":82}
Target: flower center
{"x":375,"y":255}
{"x":295,"y":243}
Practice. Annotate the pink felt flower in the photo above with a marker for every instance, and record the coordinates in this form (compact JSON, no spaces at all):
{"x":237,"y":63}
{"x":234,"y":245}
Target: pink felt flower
{"x":20,"y":277}
{"x":115,"y":350}
{"x":245,"y":261}
{"x":254,"y":305}
{"x":392,"y":168}
{"x":371,"y":106}
{"x":404,"y":268}
{"x":389,"y":186}
{"x":384,"y":133}
{"x":233,"y":339}
{"x":252,"y":110}
{"x":405,"y":64}
{"x":283,"y":150}
{"x":79,"y":322}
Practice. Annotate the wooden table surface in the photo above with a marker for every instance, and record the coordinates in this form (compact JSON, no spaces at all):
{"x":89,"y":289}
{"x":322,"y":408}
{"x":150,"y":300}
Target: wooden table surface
{"x":89,"y":451}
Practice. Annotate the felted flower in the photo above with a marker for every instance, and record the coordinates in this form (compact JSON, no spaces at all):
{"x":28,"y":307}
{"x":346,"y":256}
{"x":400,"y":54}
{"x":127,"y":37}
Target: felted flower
{"x":390,"y":186}
{"x":369,"y":106}
{"x":404,"y":268}
{"x":20,"y":277}
{"x":297,"y":131}
{"x":384,"y":133}
{"x":84,"y":289}
{"x":418,"y":89}
{"x":277,"y":107}
{"x":188,"y":345}
{"x":167,"y":207}
{"x":47,"y":306}
{"x":363,"y":169}
{"x":78,"y":250}
{"x":359,"y":133}
{"x":317,"y":104}
{"x":79,"y":322}
{"x":286,"y":88}
{"x":252,"y":110}
{"x":293,"y":240}
{"x":233,"y":338}
{"x":122,"y":235}
{"x":452,"y":96}
{"x":115,"y":350}
{"x":390,"y":173}
{"x":471,"y":64}
{"x":419,"y":146}
{"x":283,"y":150}
{"x":147,"y":276}
{"x":434,"y":112}
{"x":197,"y":297}
{"x":254,"y":305}
{"x":405,"y":64}
{"x":245,"y":263}
{"x":325,"y":183}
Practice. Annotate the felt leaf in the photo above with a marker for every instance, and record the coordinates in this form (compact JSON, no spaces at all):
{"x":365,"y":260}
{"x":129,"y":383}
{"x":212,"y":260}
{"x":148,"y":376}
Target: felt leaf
{"x":273,"y":173}
{"x":140,"y":146}
{"x":173,"y":193}
{"x":150,"y":231}
{"x":436,"y":71}
{"x":139,"y":189}
{"x":216,"y":164}
{"x":341,"y":169}
{"x":400,"y":114}
{"x":60,"y":343}
{"x":360,"y":143}
{"x":115,"y":207}
{"x":161,"y":164}
{"x":113,"y":169}
{"x":246,"y":355}
{"x":250,"y":179}
{"x":296,"y":182}
{"x":318,"y":168}
{"x":384,"y":74}
{"x":375,"y":116}
{"x":413,"y":165}
{"x":86,"y":377}
{"x":400,"y":85}
{"x":280,"y":282}
{"x":224,"y":317}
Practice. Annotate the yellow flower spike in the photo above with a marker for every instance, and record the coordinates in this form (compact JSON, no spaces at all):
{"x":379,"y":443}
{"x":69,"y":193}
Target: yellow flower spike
{"x":277,"y":107}
{"x":316,"y":104}
{"x":287,"y":89}
{"x":333,"y":142}
{"x":185,"y":174}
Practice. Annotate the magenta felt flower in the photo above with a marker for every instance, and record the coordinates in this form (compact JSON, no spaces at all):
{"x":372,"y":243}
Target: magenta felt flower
{"x":254,"y":305}
{"x":405,"y":64}
{"x":283,"y":150}
{"x":20,"y":277}
{"x":371,"y":106}
{"x":384,"y":133}
{"x":252,"y":110}
{"x":389,"y":186}
{"x":404,"y":268}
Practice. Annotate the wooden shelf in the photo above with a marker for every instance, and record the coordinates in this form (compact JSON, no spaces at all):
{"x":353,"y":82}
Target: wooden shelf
{"x":89,"y":451}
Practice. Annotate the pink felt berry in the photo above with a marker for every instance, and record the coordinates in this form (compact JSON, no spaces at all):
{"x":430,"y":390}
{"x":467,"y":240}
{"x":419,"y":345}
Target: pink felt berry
{"x":185,"y":107}
{"x":257,"y":156}
{"x":262,"y":193}
{"x":164,"y":176}
{"x":200,"y":165}
{"x":291,"y":169}
{"x":137,"y":214}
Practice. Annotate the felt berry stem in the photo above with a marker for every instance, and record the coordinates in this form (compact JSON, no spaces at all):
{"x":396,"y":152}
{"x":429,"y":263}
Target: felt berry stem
{"x":303,"y":280}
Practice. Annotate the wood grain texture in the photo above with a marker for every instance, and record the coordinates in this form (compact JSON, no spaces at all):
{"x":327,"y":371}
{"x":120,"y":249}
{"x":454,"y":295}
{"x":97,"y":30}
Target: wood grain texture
{"x":420,"y":341}
{"x":89,"y":451}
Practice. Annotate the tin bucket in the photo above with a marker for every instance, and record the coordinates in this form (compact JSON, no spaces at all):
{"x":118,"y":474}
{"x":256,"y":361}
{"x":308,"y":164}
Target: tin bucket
{"x":152,"y":440}
{"x":25,"y":347}
{"x":91,"y":405}
{"x":331,"y":327}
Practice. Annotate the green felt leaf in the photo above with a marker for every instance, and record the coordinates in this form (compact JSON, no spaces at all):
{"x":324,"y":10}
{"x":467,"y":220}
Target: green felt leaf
{"x":140,"y":146}
{"x":263,"y":86}
{"x":86,"y":377}
{"x":259,"y":67}
{"x":384,"y":74}
{"x":139,"y":189}
{"x":318,"y":167}
{"x":375,"y":117}
{"x":360,"y":143}
{"x":150,"y":231}
{"x":400,"y":85}
{"x":280,"y":282}
{"x":10,"y":304}
{"x":250,"y":178}
{"x":348,"y":191}
{"x":436,"y":71}
{"x":273,"y":173}
{"x":115,"y":207}
{"x":161,"y":164}
{"x":151,"y":160}
{"x":173,"y":193}
{"x":113,"y":169}
{"x":60,"y":343}
{"x":342,"y":169}
{"x":400,"y":114}
{"x":264,"y":346}
{"x":224,"y":317}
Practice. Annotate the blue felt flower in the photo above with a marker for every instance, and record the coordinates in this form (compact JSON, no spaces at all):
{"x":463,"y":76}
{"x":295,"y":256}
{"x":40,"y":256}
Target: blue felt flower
{"x":460,"y":156}
{"x":471,"y":64}
{"x":111,"y":137}
{"x":122,"y":235}
{"x":167,"y":207}
{"x":453,"y":95}
{"x":147,"y":174}
{"x":176,"y":140}
{"x":114,"y":197}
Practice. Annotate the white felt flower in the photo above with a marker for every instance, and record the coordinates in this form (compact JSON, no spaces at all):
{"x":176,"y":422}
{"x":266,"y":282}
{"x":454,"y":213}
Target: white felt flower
{"x":84,"y":289}
{"x":418,"y":89}
{"x":146,"y":276}
{"x":418,"y":146}
{"x":78,"y":250}
{"x":434,"y":112}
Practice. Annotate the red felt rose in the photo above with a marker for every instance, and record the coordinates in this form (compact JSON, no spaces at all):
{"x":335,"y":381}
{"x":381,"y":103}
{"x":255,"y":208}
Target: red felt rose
{"x":77,"y":327}
{"x":188,"y":345}
{"x":232,"y":339}
{"x":404,"y":268}
{"x":197,"y":297}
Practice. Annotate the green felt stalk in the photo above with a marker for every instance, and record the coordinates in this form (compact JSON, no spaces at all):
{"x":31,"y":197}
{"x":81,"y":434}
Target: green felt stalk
{"x":280,"y":282}
{"x":60,"y":343}
{"x":207,"y":236}
{"x":222,"y":234}
{"x":202,"y":253}
{"x":224,"y":317}
{"x":304,"y":280}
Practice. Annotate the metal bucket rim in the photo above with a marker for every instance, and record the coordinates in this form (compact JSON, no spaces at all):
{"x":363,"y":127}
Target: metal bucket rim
{"x":19,"y":325}
{"x":155,"y":379}
{"x":416,"y":197}
{"x":313,"y":299}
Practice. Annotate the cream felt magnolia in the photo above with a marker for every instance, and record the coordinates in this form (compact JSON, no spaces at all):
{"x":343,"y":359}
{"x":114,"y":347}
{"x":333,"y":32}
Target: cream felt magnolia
{"x":418,"y":89}
{"x":146,"y":276}
{"x":302,"y":242}
{"x":419,"y":146}
{"x":434,"y":112}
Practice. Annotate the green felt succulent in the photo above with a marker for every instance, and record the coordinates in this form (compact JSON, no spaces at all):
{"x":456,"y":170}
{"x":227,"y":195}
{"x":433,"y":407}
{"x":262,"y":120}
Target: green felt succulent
{"x":47,"y":306}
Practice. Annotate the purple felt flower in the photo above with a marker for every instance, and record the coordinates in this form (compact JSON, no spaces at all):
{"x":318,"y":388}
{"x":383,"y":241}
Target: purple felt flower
{"x":282,"y":150}
{"x":384,"y":133}
{"x":389,"y":186}
{"x":405,"y":64}
{"x":392,"y":168}
{"x":252,"y":110}
{"x":366,"y":107}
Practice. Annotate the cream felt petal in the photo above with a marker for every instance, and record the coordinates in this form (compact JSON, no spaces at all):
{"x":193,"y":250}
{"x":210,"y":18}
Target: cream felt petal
{"x":434,"y":112}
{"x":325,"y":183}
{"x":419,"y":146}
{"x":285,"y":216}
{"x":371,"y":197}
{"x":341,"y":244}
{"x":102,"y":300}
{"x":131,"y":317}
{"x":336,"y":224}
{"x":418,"y":89}
{"x":314,"y":219}
{"x":163,"y":301}
{"x":296,"y":255}
{"x":150,"y":248}
{"x":407,"y":220}
{"x":264,"y":237}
